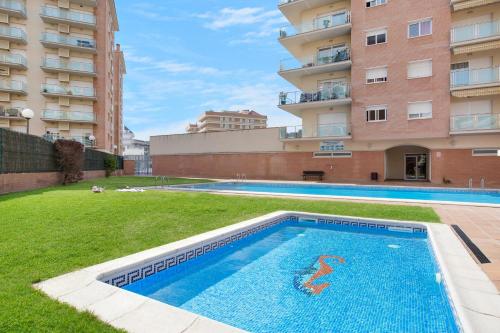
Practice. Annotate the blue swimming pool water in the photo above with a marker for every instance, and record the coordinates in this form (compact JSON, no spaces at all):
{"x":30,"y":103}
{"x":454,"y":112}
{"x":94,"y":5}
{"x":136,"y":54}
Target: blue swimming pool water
{"x":386,"y":282}
{"x":386,"y":192}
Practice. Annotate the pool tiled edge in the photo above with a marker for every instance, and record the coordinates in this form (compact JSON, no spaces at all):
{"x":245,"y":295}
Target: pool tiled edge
{"x":96,"y":289}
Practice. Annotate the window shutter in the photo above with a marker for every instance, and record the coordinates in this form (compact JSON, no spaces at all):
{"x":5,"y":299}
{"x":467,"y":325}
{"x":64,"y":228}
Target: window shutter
{"x":419,"y":69}
{"x":373,"y":74}
{"x":419,"y":110}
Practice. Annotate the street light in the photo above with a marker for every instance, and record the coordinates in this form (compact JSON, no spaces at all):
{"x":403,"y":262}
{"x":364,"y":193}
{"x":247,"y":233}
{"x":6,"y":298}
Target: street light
{"x":91,"y":139}
{"x":27,"y":114}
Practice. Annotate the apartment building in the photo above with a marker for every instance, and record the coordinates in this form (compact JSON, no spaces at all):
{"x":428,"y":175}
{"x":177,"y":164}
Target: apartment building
{"x":59,"y":59}
{"x":409,"y":90}
{"x":212,"y":121}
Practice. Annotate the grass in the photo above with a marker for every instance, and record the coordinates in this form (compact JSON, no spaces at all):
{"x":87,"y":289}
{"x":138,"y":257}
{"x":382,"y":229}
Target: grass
{"x":46,"y":233}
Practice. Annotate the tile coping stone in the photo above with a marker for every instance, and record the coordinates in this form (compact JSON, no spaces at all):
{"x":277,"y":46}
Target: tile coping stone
{"x":474,"y":297}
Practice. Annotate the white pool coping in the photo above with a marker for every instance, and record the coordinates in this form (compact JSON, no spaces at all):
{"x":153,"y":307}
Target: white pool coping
{"x":184,"y":188}
{"x":474,"y":297}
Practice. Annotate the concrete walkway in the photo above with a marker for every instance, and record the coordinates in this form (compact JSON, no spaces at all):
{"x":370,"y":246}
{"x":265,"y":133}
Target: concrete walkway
{"x":482,"y":225}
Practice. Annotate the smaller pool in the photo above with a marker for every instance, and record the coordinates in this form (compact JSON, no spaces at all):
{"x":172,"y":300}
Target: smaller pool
{"x":420,"y":194}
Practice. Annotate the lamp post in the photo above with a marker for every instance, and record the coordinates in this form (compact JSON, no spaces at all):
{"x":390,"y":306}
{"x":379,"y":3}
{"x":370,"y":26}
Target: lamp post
{"x":27,"y":114}
{"x":92,"y":140}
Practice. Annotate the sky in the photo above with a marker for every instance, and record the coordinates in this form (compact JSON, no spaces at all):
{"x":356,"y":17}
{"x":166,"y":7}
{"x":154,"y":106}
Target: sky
{"x":186,"y":57}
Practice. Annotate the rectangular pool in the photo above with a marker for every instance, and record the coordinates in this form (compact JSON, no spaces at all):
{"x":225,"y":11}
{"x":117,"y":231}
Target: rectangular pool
{"x":416,"y":194}
{"x":303,"y":275}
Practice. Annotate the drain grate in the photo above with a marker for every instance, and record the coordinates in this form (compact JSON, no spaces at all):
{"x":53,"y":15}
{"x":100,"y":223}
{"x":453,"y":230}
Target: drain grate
{"x":481,"y":257}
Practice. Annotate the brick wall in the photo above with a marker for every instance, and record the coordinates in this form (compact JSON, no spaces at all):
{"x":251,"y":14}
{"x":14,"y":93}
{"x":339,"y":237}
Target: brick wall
{"x":129,"y":168}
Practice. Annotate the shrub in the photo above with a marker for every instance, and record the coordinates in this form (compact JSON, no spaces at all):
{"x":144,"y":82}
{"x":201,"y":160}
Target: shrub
{"x":109,"y":165}
{"x":70,"y":157}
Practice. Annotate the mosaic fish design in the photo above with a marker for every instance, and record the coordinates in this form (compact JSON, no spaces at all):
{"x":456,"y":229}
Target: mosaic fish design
{"x":304,"y":279}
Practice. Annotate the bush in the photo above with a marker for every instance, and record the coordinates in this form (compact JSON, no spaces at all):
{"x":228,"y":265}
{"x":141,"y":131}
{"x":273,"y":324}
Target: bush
{"x":109,"y":165}
{"x":70,"y":157}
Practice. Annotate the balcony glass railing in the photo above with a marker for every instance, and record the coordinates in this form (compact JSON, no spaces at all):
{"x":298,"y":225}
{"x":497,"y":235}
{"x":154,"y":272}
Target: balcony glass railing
{"x":475,"y":31}
{"x":338,"y":55}
{"x":12,"y":85}
{"x":70,"y":91}
{"x":67,"y":40}
{"x":337,"y":91}
{"x":13,"y":59}
{"x":475,"y":122}
{"x":283,"y":2}
{"x":323,"y":130}
{"x":12,"y":32}
{"x":84,"y":140}
{"x":317,"y":24}
{"x":68,"y":65}
{"x":10,"y":112}
{"x":68,"y":15}
{"x":13,"y":5}
{"x":472,"y":77}
{"x":69,"y":115}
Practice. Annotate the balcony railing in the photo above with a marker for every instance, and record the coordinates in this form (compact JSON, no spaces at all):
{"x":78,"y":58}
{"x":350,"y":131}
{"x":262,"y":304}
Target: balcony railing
{"x":10,"y":112}
{"x":12,"y":85}
{"x":475,"y":122}
{"x":338,"y":91}
{"x":284,"y":2}
{"x":48,"y":37}
{"x":13,"y":6}
{"x":322,"y":131}
{"x":68,"y":91}
{"x":316,"y":24}
{"x":13,"y":59}
{"x":340,"y":55}
{"x":74,"y":66}
{"x":11,"y":32}
{"x":68,"y":15}
{"x":84,"y":140}
{"x":475,"y":31}
{"x":472,"y":77}
{"x":69,"y":115}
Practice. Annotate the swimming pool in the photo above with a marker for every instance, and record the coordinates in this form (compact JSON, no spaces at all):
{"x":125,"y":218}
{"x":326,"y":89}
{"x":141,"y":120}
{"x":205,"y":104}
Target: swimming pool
{"x":411,"y":194}
{"x":310,"y":275}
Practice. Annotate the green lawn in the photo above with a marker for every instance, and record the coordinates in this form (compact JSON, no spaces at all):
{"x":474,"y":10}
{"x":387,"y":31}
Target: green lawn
{"x":49,"y":232}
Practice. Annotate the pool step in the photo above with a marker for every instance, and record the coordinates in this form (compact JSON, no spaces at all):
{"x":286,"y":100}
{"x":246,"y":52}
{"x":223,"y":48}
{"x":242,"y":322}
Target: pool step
{"x":480,"y":256}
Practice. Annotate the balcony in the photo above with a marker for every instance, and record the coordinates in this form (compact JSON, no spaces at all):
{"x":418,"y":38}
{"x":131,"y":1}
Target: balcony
{"x":465,"y":39}
{"x":297,"y":101}
{"x":294,"y":70}
{"x":13,"y":8}
{"x":324,"y":131}
{"x":12,"y":34}
{"x":13,"y":87}
{"x":475,"y":82}
{"x":467,"y":4}
{"x":10,"y":113}
{"x":292,"y":9}
{"x":328,"y":27}
{"x":69,"y":116}
{"x":75,"y":43}
{"x":475,"y":123}
{"x":64,"y":16}
{"x":71,"y":91}
{"x":84,"y":140}
{"x":90,"y":3}
{"x":72,"y":67}
{"x":16,"y":61}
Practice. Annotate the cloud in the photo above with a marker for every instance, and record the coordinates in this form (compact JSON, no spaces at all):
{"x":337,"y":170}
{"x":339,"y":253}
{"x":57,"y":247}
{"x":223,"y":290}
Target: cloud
{"x":227,"y":17}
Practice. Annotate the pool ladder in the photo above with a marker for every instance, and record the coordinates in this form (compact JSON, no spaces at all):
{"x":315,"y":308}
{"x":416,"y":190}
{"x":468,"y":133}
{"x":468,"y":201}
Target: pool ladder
{"x":482,"y":182}
{"x":162,"y":181}
{"x":240,"y":177}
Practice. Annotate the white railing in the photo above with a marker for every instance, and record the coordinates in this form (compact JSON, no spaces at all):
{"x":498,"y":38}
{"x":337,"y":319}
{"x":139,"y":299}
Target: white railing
{"x":471,"y":77}
{"x":321,"y":131}
{"x":316,"y":24}
{"x":339,"y":55}
{"x":71,"y":90}
{"x":475,"y":122}
{"x":337,"y":91}
{"x":67,"y":40}
{"x":15,"y":59}
{"x":475,"y":31}
{"x":68,"y":15}
{"x":68,"y":65}
{"x":69,"y":115}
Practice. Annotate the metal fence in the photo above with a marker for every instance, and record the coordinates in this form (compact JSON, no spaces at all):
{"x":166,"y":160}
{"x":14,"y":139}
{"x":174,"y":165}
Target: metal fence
{"x":22,"y":153}
{"x":143,"y":164}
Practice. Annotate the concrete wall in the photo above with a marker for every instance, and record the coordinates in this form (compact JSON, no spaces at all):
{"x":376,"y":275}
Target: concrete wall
{"x":258,"y":140}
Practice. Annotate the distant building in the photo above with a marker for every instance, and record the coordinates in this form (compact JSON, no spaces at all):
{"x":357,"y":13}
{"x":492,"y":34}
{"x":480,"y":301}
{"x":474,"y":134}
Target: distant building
{"x":133,"y":146}
{"x":212,"y":121}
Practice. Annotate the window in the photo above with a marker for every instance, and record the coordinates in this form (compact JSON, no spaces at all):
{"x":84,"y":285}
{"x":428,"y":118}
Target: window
{"x":486,"y":152}
{"x":376,"y":113}
{"x":376,"y":75}
{"x":374,"y":3}
{"x":334,"y":154}
{"x":420,"y":28}
{"x":419,"y":110}
{"x":420,"y":68}
{"x":376,"y":37}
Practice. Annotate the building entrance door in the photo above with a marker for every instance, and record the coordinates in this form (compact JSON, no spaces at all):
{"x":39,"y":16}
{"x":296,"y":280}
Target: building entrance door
{"x":416,"y":167}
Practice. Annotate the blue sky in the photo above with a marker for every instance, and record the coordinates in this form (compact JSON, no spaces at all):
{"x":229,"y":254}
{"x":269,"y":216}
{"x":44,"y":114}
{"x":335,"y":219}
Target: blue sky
{"x":185,"y":57}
